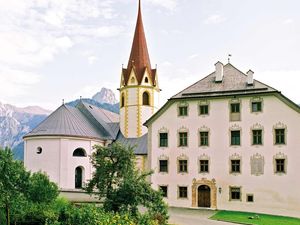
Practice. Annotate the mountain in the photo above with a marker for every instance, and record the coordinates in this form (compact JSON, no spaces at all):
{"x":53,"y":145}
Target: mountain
{"x":16,"y":122}
{"x":105,"y":96}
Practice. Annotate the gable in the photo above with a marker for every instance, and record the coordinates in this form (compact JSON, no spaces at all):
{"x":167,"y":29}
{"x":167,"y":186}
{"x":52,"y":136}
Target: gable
{"x":234,"y":81}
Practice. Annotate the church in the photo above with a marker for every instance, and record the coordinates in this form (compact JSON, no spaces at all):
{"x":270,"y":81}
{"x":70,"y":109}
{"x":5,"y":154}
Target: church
{"x":226,"y":142}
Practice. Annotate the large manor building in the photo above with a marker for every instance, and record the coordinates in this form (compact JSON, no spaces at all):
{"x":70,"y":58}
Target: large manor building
{"x":226,"y":142}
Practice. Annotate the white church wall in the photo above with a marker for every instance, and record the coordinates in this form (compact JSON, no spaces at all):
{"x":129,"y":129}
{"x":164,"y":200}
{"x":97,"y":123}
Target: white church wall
{"x":146,"y":113}
{"x":156,"y":101}
{"x":122,"y":119}
{"x":57,"y":158}
{"x":272,"y":192}
{"x":132,"y":121}
{"x":49,"y":159}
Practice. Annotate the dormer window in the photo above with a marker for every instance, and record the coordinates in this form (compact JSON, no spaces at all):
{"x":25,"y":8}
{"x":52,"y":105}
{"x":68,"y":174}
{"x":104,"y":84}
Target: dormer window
{"x":132,"y":80}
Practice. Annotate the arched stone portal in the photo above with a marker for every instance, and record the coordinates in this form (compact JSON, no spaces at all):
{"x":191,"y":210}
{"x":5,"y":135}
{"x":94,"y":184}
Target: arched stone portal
{"x":206,"y":187}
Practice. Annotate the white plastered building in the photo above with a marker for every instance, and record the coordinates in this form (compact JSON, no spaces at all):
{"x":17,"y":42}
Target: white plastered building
{"x":226,"y":142}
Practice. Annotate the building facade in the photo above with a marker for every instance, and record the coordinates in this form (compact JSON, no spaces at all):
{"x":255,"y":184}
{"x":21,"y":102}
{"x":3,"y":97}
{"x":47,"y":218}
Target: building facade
{"x":227,"y":142}
{"x":62,"y":143}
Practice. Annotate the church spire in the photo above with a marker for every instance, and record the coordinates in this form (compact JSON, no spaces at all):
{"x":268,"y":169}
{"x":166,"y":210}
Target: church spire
{"x":139,"y":59}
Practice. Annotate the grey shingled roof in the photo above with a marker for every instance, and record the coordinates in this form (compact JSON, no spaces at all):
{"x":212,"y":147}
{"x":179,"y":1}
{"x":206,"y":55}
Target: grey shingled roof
{"x":234,"y":82}
{"x":140,"y":143}
{"x":67,"y":121}
{"x":105,"y":119}
{"x":88,"y":121}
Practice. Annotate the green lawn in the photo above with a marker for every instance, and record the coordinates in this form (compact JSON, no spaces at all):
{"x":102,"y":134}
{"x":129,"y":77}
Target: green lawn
{"x":254,"y":218}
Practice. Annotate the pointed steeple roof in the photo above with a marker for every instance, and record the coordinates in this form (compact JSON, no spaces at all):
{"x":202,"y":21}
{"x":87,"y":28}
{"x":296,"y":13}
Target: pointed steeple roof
{"x":139,"y":59}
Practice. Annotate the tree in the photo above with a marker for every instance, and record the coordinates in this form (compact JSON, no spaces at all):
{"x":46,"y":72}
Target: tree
{"x":23,"y":195}
{"x":40,"y":196}
{"x":41,"y":189}
{"x":121,"y":185}
{"x":13,"y":181}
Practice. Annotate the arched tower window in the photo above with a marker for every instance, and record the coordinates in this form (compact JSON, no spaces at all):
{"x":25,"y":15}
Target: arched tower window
{"x":146,"y":80}
{"x":79,"y":152}
{"x":122,"y":100}
{"x":146,"y":98}
{"x":78,"y":177}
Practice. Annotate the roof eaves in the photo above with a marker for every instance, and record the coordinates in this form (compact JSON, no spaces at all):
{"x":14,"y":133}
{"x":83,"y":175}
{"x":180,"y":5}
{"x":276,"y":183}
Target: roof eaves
{"x":61,"y":135}
{"x":288,"y":101}
{"x":159,"y":112}
{"x":255,"y":90}
{"x":226,"y":95}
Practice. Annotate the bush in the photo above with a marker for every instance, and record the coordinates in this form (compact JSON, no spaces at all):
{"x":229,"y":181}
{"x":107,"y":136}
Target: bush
{"x":88,"y":214}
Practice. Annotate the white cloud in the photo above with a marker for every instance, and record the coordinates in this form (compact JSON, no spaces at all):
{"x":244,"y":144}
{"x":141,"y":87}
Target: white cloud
{"x":286,"y":81}
{"x":168,"y":4}
{"x":288,"y":21}
{"x":16,"y":82}
{"x":106,"y":31}
{"x":92,"y":59}
{"x":166,"y":64}
{"x":33,"y":32}
{"x":63,"y":42}
{"x":214,"y":19}
{"x":54,"y":18}
{"x":193,"y":56}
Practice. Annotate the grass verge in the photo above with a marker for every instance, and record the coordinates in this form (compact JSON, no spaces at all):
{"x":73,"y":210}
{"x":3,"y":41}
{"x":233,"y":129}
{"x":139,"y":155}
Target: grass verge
{"x":254,"y":218}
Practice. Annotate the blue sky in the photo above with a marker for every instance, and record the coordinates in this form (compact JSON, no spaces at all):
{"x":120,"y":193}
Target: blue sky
{"x":62,"y":49}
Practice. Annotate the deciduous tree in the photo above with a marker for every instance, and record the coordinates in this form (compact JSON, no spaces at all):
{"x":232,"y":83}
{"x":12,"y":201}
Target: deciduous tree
{"x":13,"y":181}
{"x":122,"y":186}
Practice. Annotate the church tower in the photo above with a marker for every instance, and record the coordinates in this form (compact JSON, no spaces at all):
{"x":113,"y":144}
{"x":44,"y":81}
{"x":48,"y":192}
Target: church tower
{"x":139,"y":90}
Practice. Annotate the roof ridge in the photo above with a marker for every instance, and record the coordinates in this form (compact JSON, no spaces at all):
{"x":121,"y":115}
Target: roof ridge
{"x":83,"y":129}
{"x":192,"y":84}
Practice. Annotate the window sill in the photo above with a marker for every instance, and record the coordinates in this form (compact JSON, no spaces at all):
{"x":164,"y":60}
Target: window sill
{"x":182,"y":173}
{"x":235,"y":173}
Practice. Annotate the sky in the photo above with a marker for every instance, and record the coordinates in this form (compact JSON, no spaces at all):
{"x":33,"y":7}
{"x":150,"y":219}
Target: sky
{"x":63,"y":49}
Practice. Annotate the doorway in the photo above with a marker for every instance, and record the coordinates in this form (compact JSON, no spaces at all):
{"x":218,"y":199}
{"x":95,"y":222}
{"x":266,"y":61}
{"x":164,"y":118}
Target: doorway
{"x":204,"y":196}
{"x":78,"y":177}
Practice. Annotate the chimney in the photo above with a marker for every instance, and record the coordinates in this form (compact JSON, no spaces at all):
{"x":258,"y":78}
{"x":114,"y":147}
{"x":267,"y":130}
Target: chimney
{"x":219,"y":72}
{"x":250,"y":78}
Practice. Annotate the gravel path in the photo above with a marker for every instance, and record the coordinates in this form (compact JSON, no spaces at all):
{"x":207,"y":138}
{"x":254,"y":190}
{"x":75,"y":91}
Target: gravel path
{"x":181,"y":216}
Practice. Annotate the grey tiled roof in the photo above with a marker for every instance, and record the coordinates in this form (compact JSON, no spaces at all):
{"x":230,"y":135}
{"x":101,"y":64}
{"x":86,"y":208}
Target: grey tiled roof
{"x":67,"y":121}
{"x":234,"y":82}
{"x":87,"y":121}
{"x":140,"y":144}
{"x":105,"y":119}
